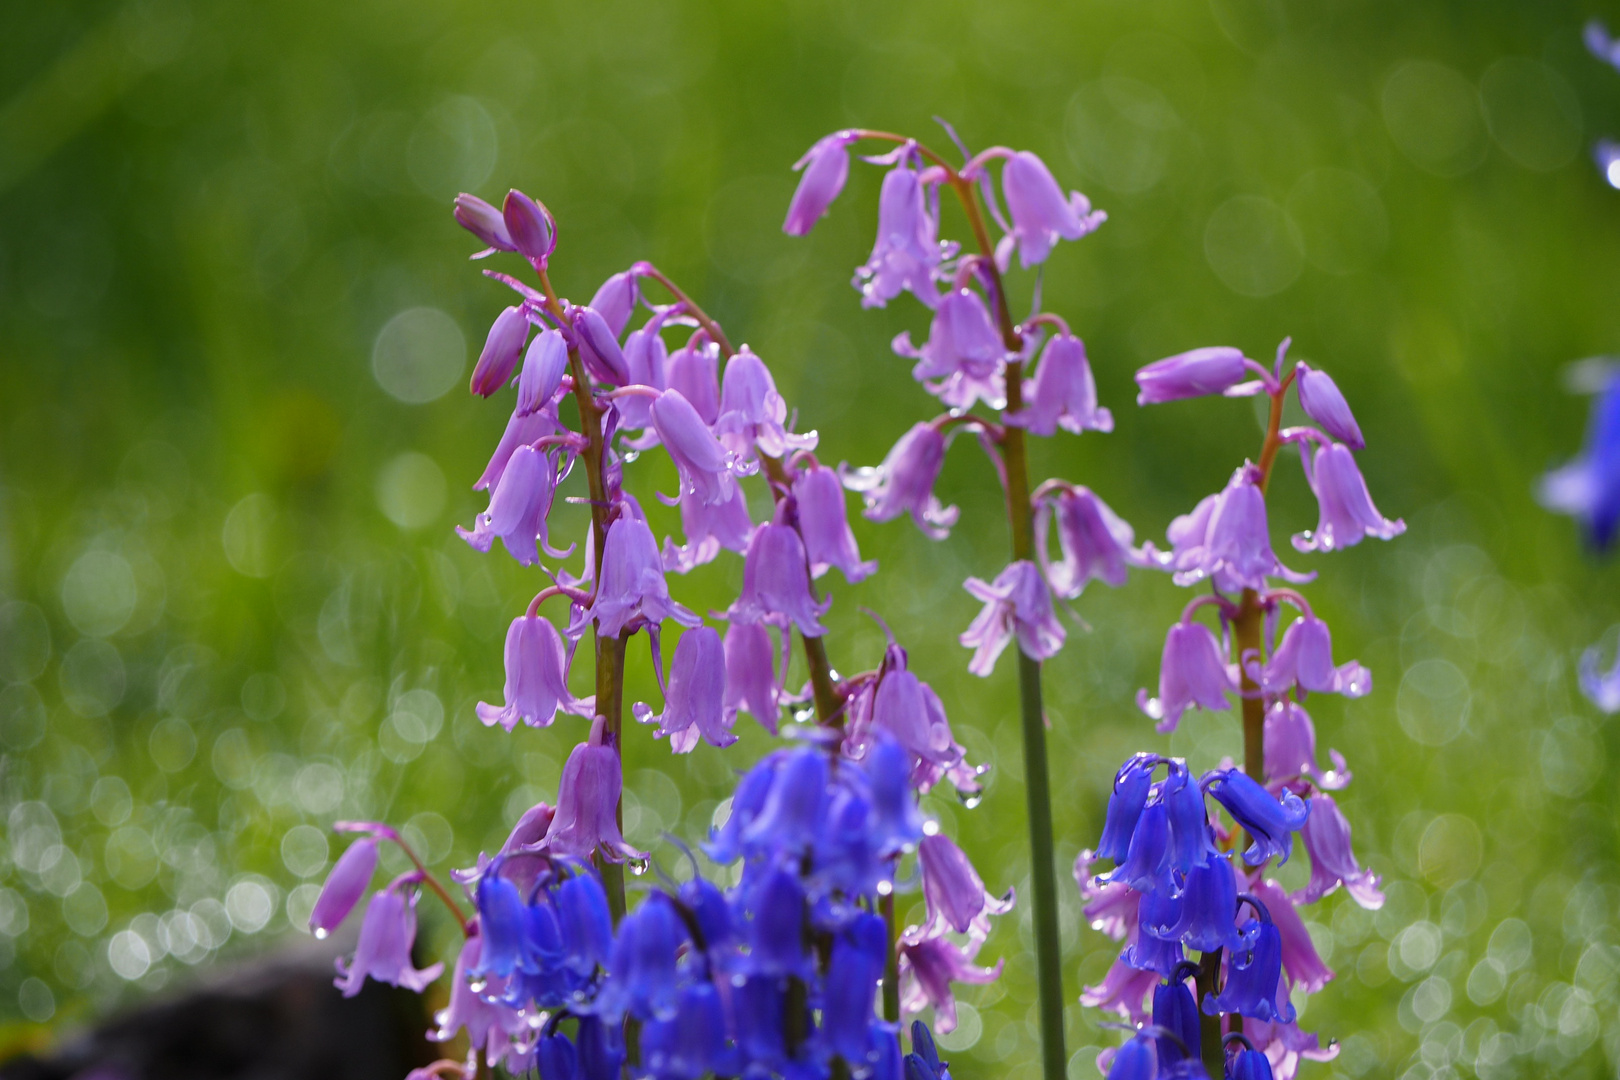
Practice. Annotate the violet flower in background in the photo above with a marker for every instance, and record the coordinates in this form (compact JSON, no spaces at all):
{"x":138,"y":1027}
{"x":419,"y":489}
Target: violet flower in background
{"x":752,"y":412}
{"x":1304,"y":659}
{"x":826,"y":168}
{"x":1327,"y":840}
{"x":964,"y":353}
{"x":776,"y":582}
{"x":1016,"y":604}
{"x":751,"y":679}
{"x":1588,"y":488}
{"x":386,"y":936}
{"x":904,"y":483}
{"x":707,"y":469}
{"x":1042,"y":215}
{"x":536,"y":678}
{"x":1096,"y":542}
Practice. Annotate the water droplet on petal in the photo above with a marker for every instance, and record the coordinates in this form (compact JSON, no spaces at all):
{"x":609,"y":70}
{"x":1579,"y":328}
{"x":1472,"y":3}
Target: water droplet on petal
{"x":320,"y":933}
{"x":970,"y":801}
{"x":930,"y":827}
{"x":884,"y":888}
{"x":637,"y":866}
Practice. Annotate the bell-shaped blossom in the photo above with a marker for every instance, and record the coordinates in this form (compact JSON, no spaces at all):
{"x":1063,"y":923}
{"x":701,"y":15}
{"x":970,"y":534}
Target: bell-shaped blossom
{"x":795,"y":806}
{"x":1225,"y":539}
{"x":1190,"y":843}
{"x":853,"y":973}
{"x":644,"y":975}
{"x":387,"y":933}
{"x":1254,"y":985}
{"x":485,"y":222}
{"x":905,"y":708}
{"x":530,"y":225}
{"x":707,"y":469}
{"x":1204,"y":910}
{"x":1601,"y":687}
{"x":1041,"y":214}
{"x":1161,"y":955}
{"x":1299,"y":956}
{"x":904,"y":483}
{"x":1016,"y":603}
{"x":1135,"y":1060}
{"x":517,"y":508}
{"x":615,"y":300}
{"x":1249,"y":1065}
{"x":520,"y":431}
{"x":1347,"y":510}
{"x":694,"y":370}
{"x":1319,"y":396}
{"x":824,"y":525}
{"x":1327,"y":840}
{"x":694,"y":698}
{"x":826,"y":168}
{"x":556,"y":1058}
{"x":502,"y":350}
{"x":1588,"y":488}
{"x":1304,"y":659}
{"x":907,"y":249}
{"x":345,"y":885}
{"x":505,"y":923}
{"x":599,"y":347}
{"x":776,"y":937}
{"x":585,"y":923}
{"x":928,"y":967}
{"x":536,"y":678}
{"x":693,"y":1043}
{"x":646,"y":363}
{"x":1063,"y":392}
{"x":707,"y":529}
{"x":543,"y":367}
{"x":964,"y":353}
{"x":1270,"y":820}
{"x":1286,"y":1046}
{"x":1132,"y":785}
{"x":1146,"y":867}
{"x":1289,"y":745}
{"x":501,"y":1033}
{"x":726,"y":841}
{"x":954,"y":891}
{"x":752,"y":412}
{"x":632,"y":582}
{"x":1211,"y":370}
{"x":601,"y":1049}
{"x":776,"y":582}
{"x":587,"y":800}
{"x":751,"y":679}
{"x":1096,"y":542}
{"x":1192,"y":672}
{"x":1175,"y":1014}
{"x":1123,"y":990}
{"x":926,"y":1055}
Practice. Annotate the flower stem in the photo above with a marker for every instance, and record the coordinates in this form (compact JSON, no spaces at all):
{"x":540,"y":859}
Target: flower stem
{"x":1209,"y":1027}
{"x":891,"y":962}
{"x":1246,"y":625}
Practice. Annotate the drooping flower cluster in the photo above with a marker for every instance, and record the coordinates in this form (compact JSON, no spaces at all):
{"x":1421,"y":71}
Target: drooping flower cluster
{"x":1184,"y":882}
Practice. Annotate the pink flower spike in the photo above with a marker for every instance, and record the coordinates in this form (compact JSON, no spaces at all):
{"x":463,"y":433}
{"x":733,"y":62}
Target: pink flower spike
{"x":776,"y":582}
{"x":502,"y":350}
{"x":824,"y":522}
{"x":1327,"y":839}
{"x":904,"y":483}
{"x":587,"y":797}
{"x":1063,"y":393}
{"x":536,"y":678}
{"x":1322,"y":401}
{"x":826,"y":168}
{"x":1041,"y":214}
{"x":1192,"y":672}
{"x":694,"y":700}
{"x":751,"y":679}
{"x":383,"y":952}
{"x":1300,"y":960}
{"x":345,"y":885}
{"x":485,"y":222}
{"x":955,"y":893}
{"x":1017,"y":604}
{"x":1347,"y":510}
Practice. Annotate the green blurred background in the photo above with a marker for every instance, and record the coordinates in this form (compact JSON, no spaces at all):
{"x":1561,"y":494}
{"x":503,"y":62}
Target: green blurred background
{"x":236,"y":317}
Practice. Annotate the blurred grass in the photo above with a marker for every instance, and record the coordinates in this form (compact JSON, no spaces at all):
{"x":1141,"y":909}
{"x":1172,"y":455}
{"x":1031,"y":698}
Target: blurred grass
{"x":234,"y":608}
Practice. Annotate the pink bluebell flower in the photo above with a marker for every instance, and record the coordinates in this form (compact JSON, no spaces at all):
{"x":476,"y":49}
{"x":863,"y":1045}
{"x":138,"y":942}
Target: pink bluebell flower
{"x":1192,"y":672}
{"x":752,"y":682}
{"x":1289,"y":745}
{"x":824,"y":525}
{"x":904,"y":483}
{"x":1041,"y":214}
{"x":387,"y":933}
{"x":1304,"y":659}
{"x":907,"y":249}
{"x":501,"y":1033}
{"x":1327,"y":840}
{"x":752,"y":412}
{"x":1347,"y":510}
{"x":531,"y":227}
{"x":646,"y":363}
{"x":1017,"y":604}
{"x":1322,"y":401}
{"x":502,"y":350}
{"x":955,"y":893}
{"x":964,"y":353}
{"x":694,"y":370}
{"x":776,"y":582}
{"x":587,"y":798}
{"x":1097,"y":544}
{"x":1063,"y":392}
{"x":345,"y":885}
{"x":1225,"y":539}
{"x":536,"y":678}
{"x":707,"y":529}
{"x":929,"y":964}
{"x":616,"y":299}
{"x":599,"y":347}
{"x":708,"y":470}
{"x":1123,"y":990}
{"x":517,"y":508}
{"x":1211,"y":370}
{"x":632,"y":584}
{"x":907,"y":710}
{"x":1286,"y":1046}
{"x":826,"y":168}
{"x":694,"y":697}
{"x":520,"y":431}
{"x":543,"y":368}
{"x":485,"y":222}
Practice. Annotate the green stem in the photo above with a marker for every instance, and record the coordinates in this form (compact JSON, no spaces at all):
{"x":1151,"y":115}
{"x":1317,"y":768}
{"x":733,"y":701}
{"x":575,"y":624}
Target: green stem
{"x":891,"y":963}
{"x":1209,"y":1027}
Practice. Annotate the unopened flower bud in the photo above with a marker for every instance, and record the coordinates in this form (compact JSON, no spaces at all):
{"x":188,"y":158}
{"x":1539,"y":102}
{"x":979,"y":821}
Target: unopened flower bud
{"x":502,"y":350}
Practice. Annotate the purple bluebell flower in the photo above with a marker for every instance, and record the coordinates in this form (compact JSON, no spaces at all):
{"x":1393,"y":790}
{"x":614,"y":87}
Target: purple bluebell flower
{"x":632,"y":581}
{"x":907,"y":709}
{"x":907,"y":249}
{"x":826,"y":168}
{"x":904,"y":483}
{"x":536,"y":678}
{"x":383,"y":952}
{"x":1041,"y":214}
{"x":1192,"y":672}
{"x":543,"y":367}
{"x":1063,"y":392}
{"x":520,"y":431}
{"x":485,"y":222}
{"x":1225,"y":539}
{"x":1211,"y":370}
{"x":928,"y":967}
{"x":643,"y":966}
{"x":616,"y":299}
{"x":517,"y":508}
{"x":587,"y":798}
{"x":1299,"y":956}
{"x":1134,"y":1061}
{"x":1270,"y":820}
{"x":1150,"y":953}
{"x":502,"y":350}
{"x":599,"y":347}
{"x":1132,"y":785}
{"x":752,"y":412}
{"x":646,"y":363}
{"x":693,"y":1043}
{"x":1327,"y":840}
{"x":531,"y":227}
{"x":499,"y":1032}
{"x":955,"y":893}
{"x":1606,"y":156}
{"x":1304,"y":659}
{"x":776,"y":937}
{"x":1601,"y":687}
{"x":1588,"y":488}
{"x":964,"y":352}
{"x":694,"y":370}
{"x":345,"y":885}
{"x":751,"y":679}
{"x":1123,"y":990}
{"x":1322,"y":401}
{"x":1254,"y":984}
{"x":824,"y":524}
{"x":1017,"y":604}
{"x":1096,"y":542}
{"x":1175,"y":1013}
{"x":853,"y":973}
{"x":694,"y":699}
{"x":776,"y":582}
{"x":1289,"y":745}
{"x":1347,"y":510}
{"x":707,"y":469}
{"x":707,"y":529}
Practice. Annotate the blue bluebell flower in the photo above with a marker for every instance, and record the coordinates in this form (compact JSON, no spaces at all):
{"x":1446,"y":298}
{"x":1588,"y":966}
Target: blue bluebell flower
{"x":601,"y":1049}
{"x":585,"y":923}
{"x":1147,"y":862}
{"x":726,"y":842}
{"x":1589,"y":487}
{"x":643,"y":964}
{"x":851,"y":981}
{"x":1207,"y":908}
{"x":708,"y":906}
{"x":503,"y":921}
{"x":922,"y":1045}
{"x":555,"y":1058}
{"x":1254,"y":975}
{"x":1271,"y":821}
{"x":776,"y":934}
{"x":1249,"y":1065}
{"x":1125,"y":803}
{"x":1175,"y":1013}
{"x":760,"y":1003}
{"x":693,"y":1043}
{"x":792,"y":813}
{"x":1190,"y":843}
{"x":1134,"y":1061}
